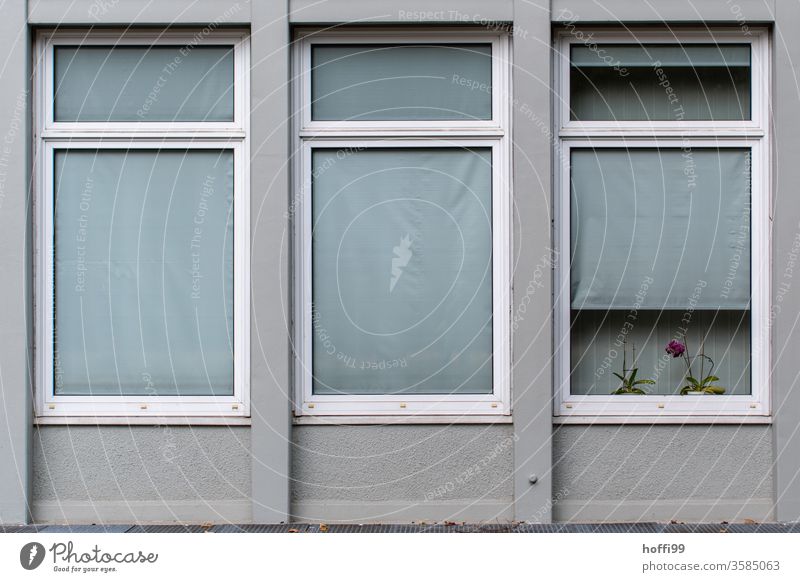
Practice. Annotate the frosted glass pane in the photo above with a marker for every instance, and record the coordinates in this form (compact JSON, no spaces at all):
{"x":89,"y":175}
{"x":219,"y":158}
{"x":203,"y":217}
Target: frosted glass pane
{"x":401,"y":82}
{"x":402,"y":271}
{"x":654,"y":228}
{"x":660,"y":82}
{"x":141,"y":83}
{"x":143,"y":272}
{"x":597,"y":348}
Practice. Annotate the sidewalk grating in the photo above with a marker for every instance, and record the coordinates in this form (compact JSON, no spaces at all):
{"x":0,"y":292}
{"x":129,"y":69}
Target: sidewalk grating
{"x":447,"y":527}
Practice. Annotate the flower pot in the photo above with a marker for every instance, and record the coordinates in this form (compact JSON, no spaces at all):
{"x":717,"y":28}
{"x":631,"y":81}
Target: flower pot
{"x":695,"y":392}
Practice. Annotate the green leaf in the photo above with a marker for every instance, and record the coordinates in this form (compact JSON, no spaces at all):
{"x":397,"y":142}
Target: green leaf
{"x":715,"y":390}
{"x":708,"y":379}
{"x":623,"y":378}
{"x":693,"y":381}
{"x":643,"y":381}
{"x":633,"y":375}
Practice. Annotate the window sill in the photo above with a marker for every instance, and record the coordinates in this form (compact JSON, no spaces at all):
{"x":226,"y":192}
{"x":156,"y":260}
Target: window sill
{"x":685,"y":419}
{"x":383,"y":420}
{"x":142,"y":420}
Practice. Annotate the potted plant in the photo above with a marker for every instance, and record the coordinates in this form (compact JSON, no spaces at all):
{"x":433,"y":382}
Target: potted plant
{"x":705,"y":385}
{"x":628,"y":377}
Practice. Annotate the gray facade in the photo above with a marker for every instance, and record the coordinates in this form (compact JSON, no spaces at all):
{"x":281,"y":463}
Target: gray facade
{"x":272,"y":467}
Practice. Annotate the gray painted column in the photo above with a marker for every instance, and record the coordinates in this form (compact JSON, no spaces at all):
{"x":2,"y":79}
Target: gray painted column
{"x":532,"y":281}
{"x":270,"y":389}
{"x":15,"y":395}
{"x":785,"y":315}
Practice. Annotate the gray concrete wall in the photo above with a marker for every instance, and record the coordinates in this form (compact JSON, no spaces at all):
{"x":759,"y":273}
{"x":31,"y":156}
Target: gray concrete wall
{"x":393,"y":473}
{"x":401,"y":11}
{"x":15,"y":269}
{"x":270,"y":275}
{"x":89,"y":474}
{"x":672,"y":11}
{"x":646,"y":473}
{"x":531,"y":308}
{"x":63,"y":12}
{"x":786,"y":245}
{"x":402,"y":473}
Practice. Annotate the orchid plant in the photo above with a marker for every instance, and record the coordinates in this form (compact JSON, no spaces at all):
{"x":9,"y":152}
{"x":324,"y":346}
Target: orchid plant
{"x":705,"y":385}
{"x":628,"y":377}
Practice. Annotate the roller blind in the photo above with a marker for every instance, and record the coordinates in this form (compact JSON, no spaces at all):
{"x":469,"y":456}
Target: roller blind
{"x":611,"y":82}
{"x":676,"y":217}
{"x":401,"y":82}
{"x":402,"y":271}
{"x":628,"y":55}
{"x":143,"y":272}
{"x":143,"y":83}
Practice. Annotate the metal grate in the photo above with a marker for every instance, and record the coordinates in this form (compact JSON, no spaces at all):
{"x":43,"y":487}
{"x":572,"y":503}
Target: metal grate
{"x":86,"y":528}
{"x":696,"y":528}
{"x":168,"y":529}
{"x":21,"y":528}
{"x":516,"y":527}
{"x":261,"y":528}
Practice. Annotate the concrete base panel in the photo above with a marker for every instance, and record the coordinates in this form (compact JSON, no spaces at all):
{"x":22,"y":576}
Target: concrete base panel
{"x":404,"y":512}
{"x":694,"y":511}
{"x":81,"y":512}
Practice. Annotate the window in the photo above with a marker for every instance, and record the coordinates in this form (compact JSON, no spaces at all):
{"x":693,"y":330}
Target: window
{"x":401,"y":219}
{"x":663,"y":221}
{"x":142,"y":224}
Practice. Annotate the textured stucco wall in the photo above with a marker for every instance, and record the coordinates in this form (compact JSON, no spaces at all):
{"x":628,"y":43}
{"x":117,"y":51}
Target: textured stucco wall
{"x":689,"y":473}
{"x":402,"y":473}
{"x":141,"y":473}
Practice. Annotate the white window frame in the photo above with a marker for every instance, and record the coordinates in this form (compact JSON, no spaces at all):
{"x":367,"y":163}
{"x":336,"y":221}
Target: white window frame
{"x":493,"y":134}
{"x":652,"y":408}
{"x":758,"y":39}
{"x":52,"y":136}
{"x":48,"y":40}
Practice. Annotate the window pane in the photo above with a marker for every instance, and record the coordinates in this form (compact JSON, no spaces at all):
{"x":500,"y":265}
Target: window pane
{"x":141,"y":83}
{"x":600,"y":337}
{"x":401,"y":82}
{"x":143,"y":272}
{"x":660,"y":252}
{"x":402,"y":271}
{"x":673,"y":215}
{"x":660,"y":82}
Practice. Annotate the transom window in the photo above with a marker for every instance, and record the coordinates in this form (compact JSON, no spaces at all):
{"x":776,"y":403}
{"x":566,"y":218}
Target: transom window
{"x":401,"y":222}
{"x":663,"y":220}
{"x":142,"y":224}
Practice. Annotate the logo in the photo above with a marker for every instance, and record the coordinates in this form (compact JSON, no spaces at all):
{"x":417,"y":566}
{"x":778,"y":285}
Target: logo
{"x":402,"y":254}
{"x":31,"y":555}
